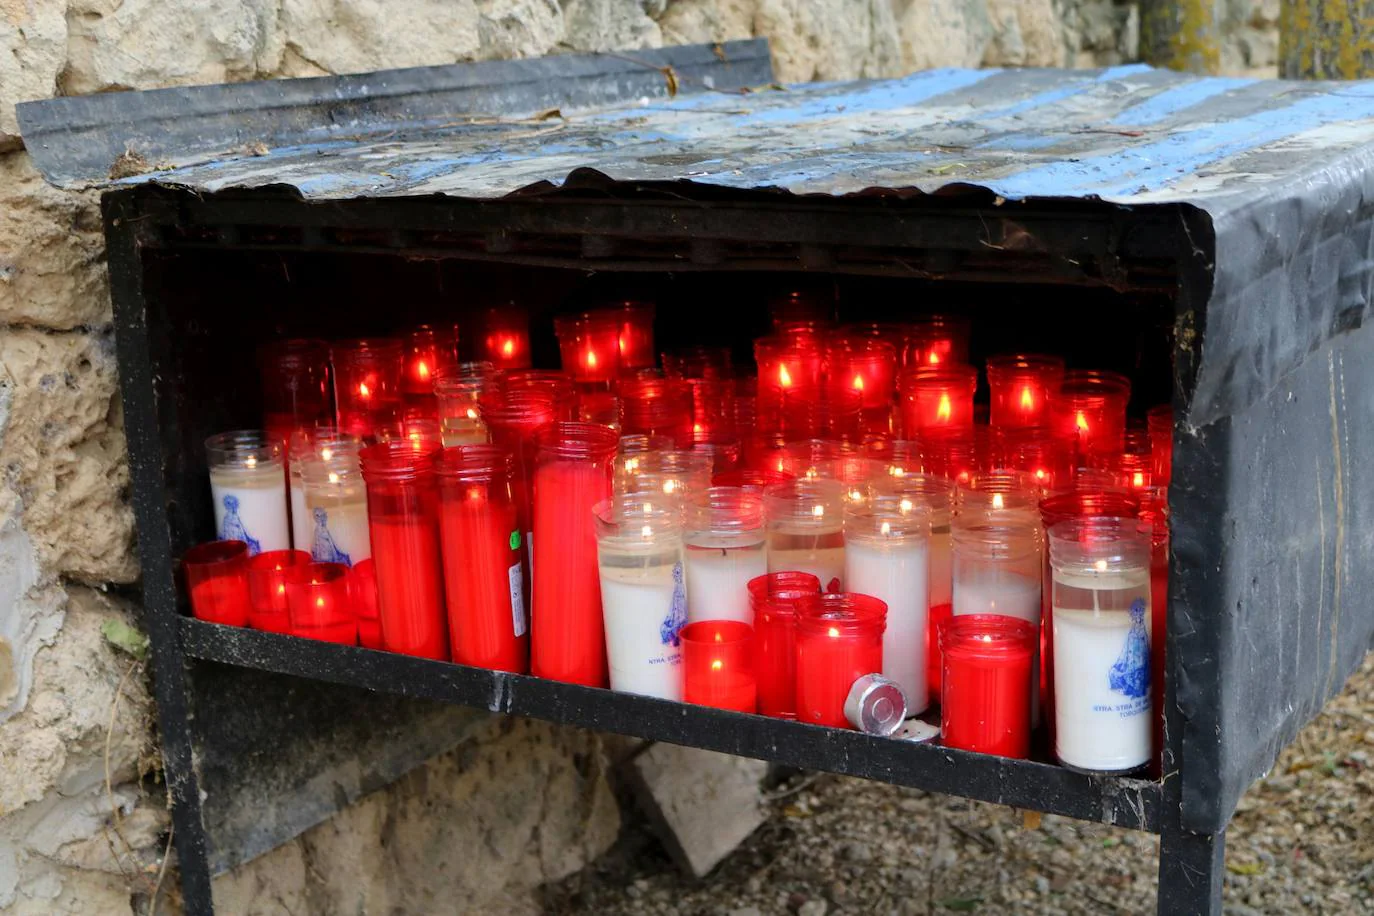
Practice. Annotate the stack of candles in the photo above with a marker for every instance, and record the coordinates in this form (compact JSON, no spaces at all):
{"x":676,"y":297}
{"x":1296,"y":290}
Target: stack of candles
{"x":836,"y":539}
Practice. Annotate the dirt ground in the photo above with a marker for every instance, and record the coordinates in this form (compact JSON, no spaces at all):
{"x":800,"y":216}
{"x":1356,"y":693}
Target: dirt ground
{"x":1302,"y":842}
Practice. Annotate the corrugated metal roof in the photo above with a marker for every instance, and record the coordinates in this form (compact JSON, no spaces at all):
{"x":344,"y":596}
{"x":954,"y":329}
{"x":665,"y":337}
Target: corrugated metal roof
{"x":1129,"y":134}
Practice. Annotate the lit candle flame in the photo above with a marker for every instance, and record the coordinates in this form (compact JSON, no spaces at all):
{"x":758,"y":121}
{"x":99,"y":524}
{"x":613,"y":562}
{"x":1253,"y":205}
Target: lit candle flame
{"x":669,"y":486}
{"x":897,"y":470}
{"x":997,"y":502}
{"x":886,"y":529}
{"x":716,"y":665}
{"x":855,"y":495}
{"x":1081,"y":421}
{"x":985,"y":638}
{"x":1027,"y":401}
{"x":422,"y":369}
{"x":326,"y":453}
{"x":250,"y":462}
{"x":1139,"y":479}
{"x":945,"y":410}
{"x":906,"y":506}
{"x":858,"y":383}
{"x":281,"y":589}
{"x":508,"y":347}
{"x":1101,"y":565}
{"x":591,"y":359}
{"x":646,"y":532}
{"x":1040,"y":474}
{"x":472,"y":413}
{"x":696,"y":428}
{"x":363,"y":390}
{"x":834,"y":633}
{"x":631,"y":465}
{"x":333,"y":477}
{"x":784,"y":377}
{"x":415,"y":438}
{"x":934,"y":358}
{"x":818,"y":510}
{"x":319,"y":602}
{"x":621,"y":344}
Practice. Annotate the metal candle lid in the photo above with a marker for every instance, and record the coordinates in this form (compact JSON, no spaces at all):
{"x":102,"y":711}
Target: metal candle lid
{"x":875,"y":706}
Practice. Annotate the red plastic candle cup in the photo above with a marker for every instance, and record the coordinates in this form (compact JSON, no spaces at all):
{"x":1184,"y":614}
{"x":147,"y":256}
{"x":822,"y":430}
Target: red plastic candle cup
{"x":319,"y":603}
{"x":483,"y":575}
{"x":402,"y":508}
{"x":1154,"y":513}
{"x":430,"y":352}
{"x":554,"y":385}
{"x":986,"y":691}
{"x":809,"y":413}
{"x":367,"y":384}
{"x":774,"y":599}
{"x":718,"y":665}
{"x":362,"y":587}
{"x":866,"y":366}
{"x":1034,"y":451}
{"x":1020,"y":386}
{"x":936,"y":340}
{"x":699,"y":363}
{"x":657,"y":407}
{"x":1160,"y":422}
{"x":217,"y":579}
{"x":590,"y":347}
{"x":503,"y":338}
{"x":514,"y":420}
{"x":786,"y":363}
{"x":839,"y":640}
{"x":295,"y":386}
{"x":636,"y":332}
{"x":572,"y":475}
{"x":1088,"y":411}
{"x":937,"y":400}
{"x":267,"y":573}
{"x":1134,"y":464}
{"x":712,"y":406}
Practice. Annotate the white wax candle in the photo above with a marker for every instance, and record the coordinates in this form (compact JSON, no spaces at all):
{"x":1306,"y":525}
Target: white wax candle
{"x":301,"y":525}
{"x":1102,"y":673}
{"x":338,"y":528}
{"x":941,"y":565}
{"x":1009,"y":594}
{"x":817,"y":551}
{"x":250,"y":505}
{"x":718,"y":574}
{"x":644,"y":609}
{"x":897,"y":573}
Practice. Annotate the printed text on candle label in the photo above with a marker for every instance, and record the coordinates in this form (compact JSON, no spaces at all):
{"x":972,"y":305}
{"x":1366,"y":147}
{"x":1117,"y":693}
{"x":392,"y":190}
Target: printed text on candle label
{"x":1126,"y":710}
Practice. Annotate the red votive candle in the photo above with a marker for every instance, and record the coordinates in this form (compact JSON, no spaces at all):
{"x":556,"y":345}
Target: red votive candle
{"x":1020,"y":386}
{"x":864,"y":365}
{"x":402,"y":509}
{"x":986,"y":691}
{"x":503,"y":337}
{"x":319,"y":603}
{"x":1154,"y":511}
{"x":1035,"y":452}
{"x":267,"y":574}
{"x":295,"y":386}
{"x":430,"y":352}
{"x":817,"y":413}
{"x":1088,"y":411}
{"x":636,"y":333}
{"x":572,"y":475}
{"x":590,"y":346}
{"x":786,"y":363}
{"x":657,"y":407}
{"x":718,"y":665}
{"x":514,"y":421}
{"x":937,"y":400}
{"x":362,"y":587}
{"x":839,"y":640}
{"x":367,"y":384}
{"x":1160,"y":422}
{"x":483,"y":579}
{"x":774,"y":599}
{"x":936,"y":340}
{"x":217,"y":579}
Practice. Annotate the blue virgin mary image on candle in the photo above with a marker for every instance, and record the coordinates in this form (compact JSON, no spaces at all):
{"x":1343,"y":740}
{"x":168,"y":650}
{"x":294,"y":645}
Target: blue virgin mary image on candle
{"x":323,"y":549}
{"x":677,"y":612}
{"x":231,"y":529}
{"x":1130,"y":675}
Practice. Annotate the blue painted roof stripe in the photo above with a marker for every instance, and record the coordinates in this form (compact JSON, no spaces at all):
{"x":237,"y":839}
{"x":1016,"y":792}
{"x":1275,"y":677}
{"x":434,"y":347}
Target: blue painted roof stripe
{"x":1177,"y":99}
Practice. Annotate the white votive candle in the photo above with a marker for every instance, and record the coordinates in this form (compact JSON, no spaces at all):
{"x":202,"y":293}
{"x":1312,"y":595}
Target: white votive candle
{"x":724,"y":550}
{"x":806,"y":529}
{"x":248,"y":487}
{"x":336,"y":508}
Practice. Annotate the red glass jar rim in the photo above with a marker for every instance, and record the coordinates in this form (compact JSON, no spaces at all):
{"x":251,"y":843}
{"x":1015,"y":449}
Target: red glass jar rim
{"x":472,"y":462}
{"x":987,"y":636}
{"x":277,"y":560}
{"x":314,"y":574}
{"x":946,"y":375}
{"x":716,"y":632}
{"x":572,"y":439}
{"x":396,"y":459}
{"x":1014,"y":364}
{"x":844,"y":611}
{"x":1094,"y":383}
{"x":214,"y":553}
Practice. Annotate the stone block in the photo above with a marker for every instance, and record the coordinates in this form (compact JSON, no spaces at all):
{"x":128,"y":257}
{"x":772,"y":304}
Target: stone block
{"x":944,"y":33}
{"x":33,"y":50}
{"x":703,"y":804}
{"x":698,"y":21}
{"x":518,"y":28}
{"x":609,"y":25}
{"x":830,"y":39}
{"x":356,"y":36}
{"x":52,"y":271}
{"x":1025,"y":33}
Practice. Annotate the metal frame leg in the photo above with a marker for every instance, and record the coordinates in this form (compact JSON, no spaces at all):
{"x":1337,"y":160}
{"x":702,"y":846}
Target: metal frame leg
{"x":1191,"y":868}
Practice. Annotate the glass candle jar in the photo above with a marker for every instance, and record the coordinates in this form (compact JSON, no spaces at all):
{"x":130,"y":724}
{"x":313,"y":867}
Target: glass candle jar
{"x":362,"y":587}
{"x":1035,"y":452}
{"x":600,"y":407}
{"x":335,"y":504}
{"x":1020,"y":386}
{"x":987,"y":684}
{"x":774,"y":599}
{"x":785,"y":363}
{"x":999,"y":496}
{"x":557,"y":387}
{"x":936,"y":340}
{"x":996,"y":569}
{"x":636,"y":332}
{"x":1088,"y":411}
{"x":864,"y":365}
{"x":712,"y":407}
{"x":460,"y":411}
{"x":504,"y":337}
{"x":325,"y":443}
{"x":590,"y":347}
{"x":367,"y":384}
{"x":267,"y":589}
{"x":480,"y":536}
{"x":671,"y":475}
{"x":217,"y":582}
{"x":643,"y":594}
{"x":248,"y":486}
{"x":1160,"y":422}
{"x":805,"y":520}
{"x":430,"y":352}
{"x":817,"y":413}
{"x":937,"y":400}
{"x":295,"y":386}
{"x":514,"y":421}
{"x":419,"y":432}
{"x":319,"y":604}
{"x":402,"y":508}
{"x":725,"y":550}
{"x":572,"y":475}
{"x":718,"y":665}
{"x":699,"y":363}
{"x":839,"y":640}
{"x":887,"y":555}
{"x":1101,"y":631}
{"x":657,"y":407}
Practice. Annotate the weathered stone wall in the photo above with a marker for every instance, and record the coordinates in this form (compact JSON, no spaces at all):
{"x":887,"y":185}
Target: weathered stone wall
{"x":81,"y":811}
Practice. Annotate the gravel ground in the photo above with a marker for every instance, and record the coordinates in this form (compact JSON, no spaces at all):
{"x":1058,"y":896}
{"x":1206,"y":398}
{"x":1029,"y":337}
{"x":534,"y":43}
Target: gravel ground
{"x":1302,"y":842}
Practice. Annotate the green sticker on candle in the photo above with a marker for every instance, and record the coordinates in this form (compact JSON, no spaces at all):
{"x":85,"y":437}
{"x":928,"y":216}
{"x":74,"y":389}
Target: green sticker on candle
{"x":515,"y":540}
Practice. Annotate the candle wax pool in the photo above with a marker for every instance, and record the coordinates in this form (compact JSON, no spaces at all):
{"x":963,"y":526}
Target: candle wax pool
{"x":718,"y":578}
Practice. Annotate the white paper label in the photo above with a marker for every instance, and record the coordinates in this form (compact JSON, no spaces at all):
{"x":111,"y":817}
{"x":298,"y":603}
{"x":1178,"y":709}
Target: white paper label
{"x":517,"y":598}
